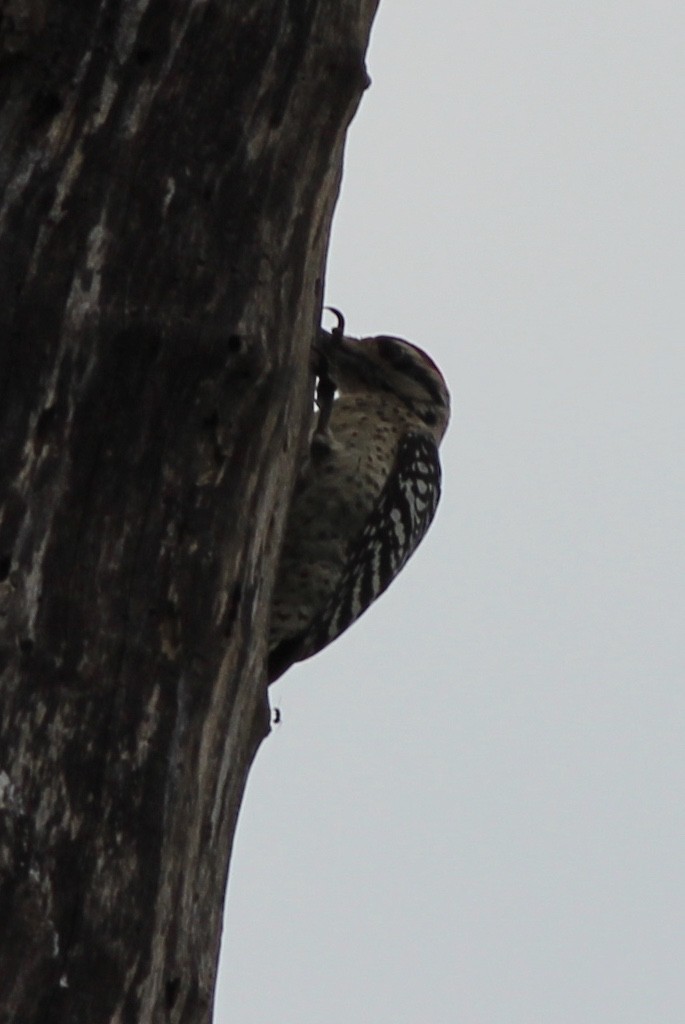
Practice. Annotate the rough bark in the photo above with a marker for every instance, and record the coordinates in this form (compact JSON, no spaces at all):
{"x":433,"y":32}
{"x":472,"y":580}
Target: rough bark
{"x":168,"y":172}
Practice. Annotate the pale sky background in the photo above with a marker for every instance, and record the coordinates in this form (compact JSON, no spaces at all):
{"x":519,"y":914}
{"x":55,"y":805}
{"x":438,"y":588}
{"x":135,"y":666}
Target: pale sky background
{"x":473,"y":811}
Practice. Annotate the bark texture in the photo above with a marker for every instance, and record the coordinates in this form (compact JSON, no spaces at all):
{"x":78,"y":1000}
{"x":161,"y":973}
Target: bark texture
{"x":168,"y":172}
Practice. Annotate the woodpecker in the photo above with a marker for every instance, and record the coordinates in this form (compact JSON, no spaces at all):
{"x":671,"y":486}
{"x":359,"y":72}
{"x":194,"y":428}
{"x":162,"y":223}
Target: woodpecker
{"x":367,"y":492}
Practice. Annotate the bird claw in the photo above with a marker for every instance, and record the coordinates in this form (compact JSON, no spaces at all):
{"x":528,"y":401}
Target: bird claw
{"x":325,"y":389}
{"x":339,"y":329}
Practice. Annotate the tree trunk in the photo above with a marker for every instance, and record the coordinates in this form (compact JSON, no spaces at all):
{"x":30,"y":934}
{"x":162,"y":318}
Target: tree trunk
{"x":168,"y":175}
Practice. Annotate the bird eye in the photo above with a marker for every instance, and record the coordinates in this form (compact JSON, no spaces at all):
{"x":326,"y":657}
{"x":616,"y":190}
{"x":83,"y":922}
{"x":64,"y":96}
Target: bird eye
{"x":390,"y":350}
{"x":385,"y":348}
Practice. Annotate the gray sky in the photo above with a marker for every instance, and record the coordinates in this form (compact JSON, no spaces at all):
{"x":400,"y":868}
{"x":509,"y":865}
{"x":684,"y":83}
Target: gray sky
{"x":473,"y":810}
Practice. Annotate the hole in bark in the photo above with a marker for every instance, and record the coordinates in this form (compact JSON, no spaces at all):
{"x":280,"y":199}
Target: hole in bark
{"x":144,"y":55}
{"x":46,"y":106}
{"x":5,"y":565}
{"x":234,"y":344}
{"x":45,"y":422}
{"x":232,"y":610}
{"x":26,"y":645}
{"x":171,"y":990}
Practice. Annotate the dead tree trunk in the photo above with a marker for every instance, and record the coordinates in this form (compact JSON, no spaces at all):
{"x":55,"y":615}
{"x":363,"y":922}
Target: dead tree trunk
{"x":168,"y":175}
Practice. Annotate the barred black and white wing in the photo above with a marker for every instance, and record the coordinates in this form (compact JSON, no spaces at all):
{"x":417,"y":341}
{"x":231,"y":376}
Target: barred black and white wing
{"x":392,"y":532}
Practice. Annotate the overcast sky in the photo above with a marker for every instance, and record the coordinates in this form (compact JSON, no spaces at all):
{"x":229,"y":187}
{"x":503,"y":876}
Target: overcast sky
{"x":473,"y":810}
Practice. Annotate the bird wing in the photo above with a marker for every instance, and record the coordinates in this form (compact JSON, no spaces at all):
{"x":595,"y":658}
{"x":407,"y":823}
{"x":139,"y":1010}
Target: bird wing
{"x":390,"y":535}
